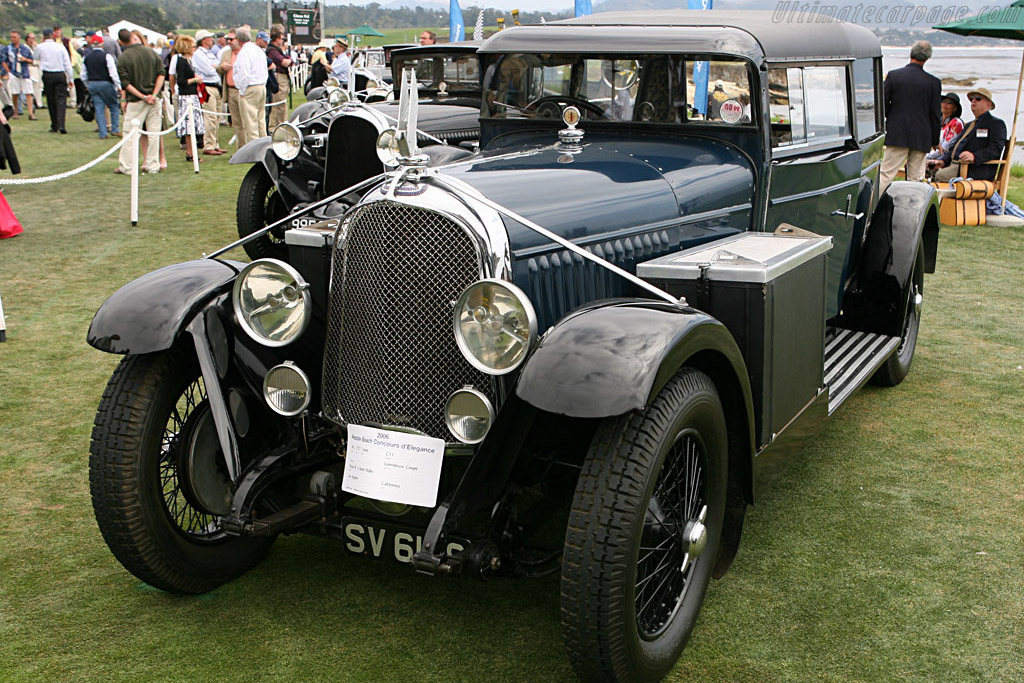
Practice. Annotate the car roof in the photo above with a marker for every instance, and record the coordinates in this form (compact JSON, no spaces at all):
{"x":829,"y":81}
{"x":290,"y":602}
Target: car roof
{"x":464,"y":46}
{"x":756,"y":35}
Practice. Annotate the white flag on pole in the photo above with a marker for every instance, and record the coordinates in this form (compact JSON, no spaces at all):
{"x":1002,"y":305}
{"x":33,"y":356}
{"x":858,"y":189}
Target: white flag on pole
{"x":478,"y":30}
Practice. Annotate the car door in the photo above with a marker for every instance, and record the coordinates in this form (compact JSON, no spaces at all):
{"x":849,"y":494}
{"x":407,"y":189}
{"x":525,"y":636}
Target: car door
{"x":814,"y":179}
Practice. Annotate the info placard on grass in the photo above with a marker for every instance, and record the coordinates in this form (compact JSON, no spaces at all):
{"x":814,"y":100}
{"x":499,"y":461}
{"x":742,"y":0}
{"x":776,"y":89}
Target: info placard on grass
{"x":393,"y":466}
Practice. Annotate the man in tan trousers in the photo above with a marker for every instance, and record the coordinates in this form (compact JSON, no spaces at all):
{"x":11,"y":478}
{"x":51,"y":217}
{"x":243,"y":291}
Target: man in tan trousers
{"x":275,"y":51}
{"x":250,"y":77}
{"x":227,"y":63}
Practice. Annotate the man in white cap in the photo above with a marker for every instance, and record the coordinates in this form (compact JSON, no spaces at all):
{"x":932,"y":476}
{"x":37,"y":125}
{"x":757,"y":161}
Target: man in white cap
{"x":342,"y":65}
{"x":204,"y":63}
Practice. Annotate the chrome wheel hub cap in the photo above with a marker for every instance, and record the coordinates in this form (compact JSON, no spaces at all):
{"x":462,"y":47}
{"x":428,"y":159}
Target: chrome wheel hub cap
{"x":696,"y":537}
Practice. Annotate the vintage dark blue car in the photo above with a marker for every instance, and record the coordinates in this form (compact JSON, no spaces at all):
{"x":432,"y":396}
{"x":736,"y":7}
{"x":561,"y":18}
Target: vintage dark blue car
{"x":328,"y":142}
{"x":585,"y":348}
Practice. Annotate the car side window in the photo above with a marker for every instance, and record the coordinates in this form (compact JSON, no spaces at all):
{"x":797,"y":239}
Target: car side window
{"x":786,"y":106}
{"x":718,"y":92}
{"x":825,"y":90}
{"x":865,"y":88}
{"x":808,"y":105}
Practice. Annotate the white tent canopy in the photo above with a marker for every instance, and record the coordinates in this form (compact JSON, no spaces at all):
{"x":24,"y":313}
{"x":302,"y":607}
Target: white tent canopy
{"x":151,"y":35}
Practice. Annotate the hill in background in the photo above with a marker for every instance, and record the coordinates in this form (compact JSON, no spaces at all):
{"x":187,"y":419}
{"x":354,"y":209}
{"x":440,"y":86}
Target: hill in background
{"x":901,"y":23}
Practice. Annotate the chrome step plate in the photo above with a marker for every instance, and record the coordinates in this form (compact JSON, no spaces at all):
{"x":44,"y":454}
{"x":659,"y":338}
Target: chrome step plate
{"x":850,"y":360}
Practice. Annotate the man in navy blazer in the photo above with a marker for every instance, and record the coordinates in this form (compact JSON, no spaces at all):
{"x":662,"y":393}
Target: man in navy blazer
{"x":912,"y":116}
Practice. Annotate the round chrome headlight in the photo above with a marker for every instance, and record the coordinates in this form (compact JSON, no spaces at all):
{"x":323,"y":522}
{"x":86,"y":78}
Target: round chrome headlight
{"x":286,"y":141}
{"x":387,"y":147}
{"x":495,"y":325}
{"x":271,"y":302}
{"x":286,"y":389}
{"x":336,"y":96}
{"x":469,"y":415}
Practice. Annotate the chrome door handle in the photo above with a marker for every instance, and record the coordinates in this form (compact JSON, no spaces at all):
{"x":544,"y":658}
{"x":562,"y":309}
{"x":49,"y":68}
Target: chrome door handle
{"x":846,"y":213}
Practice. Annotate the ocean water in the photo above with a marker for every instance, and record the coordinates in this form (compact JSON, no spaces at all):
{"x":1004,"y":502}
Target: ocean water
{"x":995,"y":68}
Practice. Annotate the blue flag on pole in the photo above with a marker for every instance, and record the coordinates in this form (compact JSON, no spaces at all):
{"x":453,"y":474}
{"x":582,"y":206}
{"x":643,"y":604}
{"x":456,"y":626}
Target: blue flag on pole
{"x":700,"y":69}
{"x":583,"y":8}
{"x":456,"y":27}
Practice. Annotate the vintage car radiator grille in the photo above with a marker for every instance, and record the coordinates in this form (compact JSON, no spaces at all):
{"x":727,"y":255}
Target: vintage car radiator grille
{"x":391,"y":357}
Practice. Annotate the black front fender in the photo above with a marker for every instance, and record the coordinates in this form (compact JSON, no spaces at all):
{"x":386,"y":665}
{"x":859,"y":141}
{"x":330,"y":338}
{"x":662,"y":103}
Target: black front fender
{"x":254,"y":152}
{"x":614,"y":356}
{"x":148,"y":314}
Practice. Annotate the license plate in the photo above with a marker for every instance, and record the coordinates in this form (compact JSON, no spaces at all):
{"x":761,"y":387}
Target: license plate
{"x":304,"y":222}
{"x":387,"y":541}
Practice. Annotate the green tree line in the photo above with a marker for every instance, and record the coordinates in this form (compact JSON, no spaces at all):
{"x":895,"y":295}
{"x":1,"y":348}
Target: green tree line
{"x":166,"y":15}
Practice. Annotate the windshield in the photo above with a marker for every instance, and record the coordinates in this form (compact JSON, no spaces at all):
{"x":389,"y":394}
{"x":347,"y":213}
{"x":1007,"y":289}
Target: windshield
{"x":642,"y":88}
{"x":458,"y":73}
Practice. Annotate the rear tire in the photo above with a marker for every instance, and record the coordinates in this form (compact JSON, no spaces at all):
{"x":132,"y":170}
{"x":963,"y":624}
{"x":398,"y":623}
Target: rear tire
{"x":896,"y":368}
{"x":142,"y":506}
{"x":632,"y":582}
{"x":259,"y":205}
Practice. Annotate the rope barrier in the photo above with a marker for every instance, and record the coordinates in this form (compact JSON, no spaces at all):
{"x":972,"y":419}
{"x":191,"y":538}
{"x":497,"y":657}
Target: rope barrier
{"x":161,"y":133}
{"x":68,"y":174}
{"x":222,"y":113}
{"x":214,"y":113}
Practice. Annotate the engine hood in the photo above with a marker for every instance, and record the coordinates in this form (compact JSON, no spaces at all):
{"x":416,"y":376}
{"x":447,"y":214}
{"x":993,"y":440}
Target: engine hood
{"x":439,"y":116}
{"x":614,"y":182}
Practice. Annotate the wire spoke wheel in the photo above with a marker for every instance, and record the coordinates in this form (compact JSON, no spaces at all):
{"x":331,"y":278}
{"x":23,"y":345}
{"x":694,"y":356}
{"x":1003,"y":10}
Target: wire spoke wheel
{"x":643,"y":533}
{"x":187,"y":412}
{"x":666,"y":562}
{"x":259,"y":205}
{"x":153,"y":421}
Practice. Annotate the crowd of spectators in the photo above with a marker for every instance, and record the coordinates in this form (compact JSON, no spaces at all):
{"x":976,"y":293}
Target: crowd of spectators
{"x":238,"y":78}
{"x":924,"y":131}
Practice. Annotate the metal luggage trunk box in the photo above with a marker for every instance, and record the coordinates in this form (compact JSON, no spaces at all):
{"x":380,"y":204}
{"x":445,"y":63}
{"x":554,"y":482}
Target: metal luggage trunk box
{"x":769,"y":291}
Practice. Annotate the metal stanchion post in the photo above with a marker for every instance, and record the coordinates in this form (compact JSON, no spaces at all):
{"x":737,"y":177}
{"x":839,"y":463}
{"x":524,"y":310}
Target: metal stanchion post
{"x":135,"y":130}
{"x":192,"y":135}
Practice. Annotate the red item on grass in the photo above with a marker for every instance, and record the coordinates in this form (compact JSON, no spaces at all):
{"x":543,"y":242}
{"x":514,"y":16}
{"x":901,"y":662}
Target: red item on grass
{"x":9,"y":225}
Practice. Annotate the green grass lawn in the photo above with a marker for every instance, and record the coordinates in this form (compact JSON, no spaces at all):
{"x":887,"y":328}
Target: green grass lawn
{"x":893,"y":550}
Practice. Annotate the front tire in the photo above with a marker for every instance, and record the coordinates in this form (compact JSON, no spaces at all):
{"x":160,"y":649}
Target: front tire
{"x":643,"y":533}
{"x":150,"y":408}
{"x":897,"y":366}
{"x":259,"y":205}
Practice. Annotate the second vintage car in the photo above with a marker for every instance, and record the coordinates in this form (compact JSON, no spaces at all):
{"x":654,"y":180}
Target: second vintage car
{"x":330,"y":143}
{"x":584,"y":349}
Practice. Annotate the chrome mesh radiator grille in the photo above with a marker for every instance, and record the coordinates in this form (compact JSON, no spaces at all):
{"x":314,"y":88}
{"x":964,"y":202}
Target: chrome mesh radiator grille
{"x":391,"y":357}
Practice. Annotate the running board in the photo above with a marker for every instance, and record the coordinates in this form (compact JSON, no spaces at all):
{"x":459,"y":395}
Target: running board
{"x":850,"y":360}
